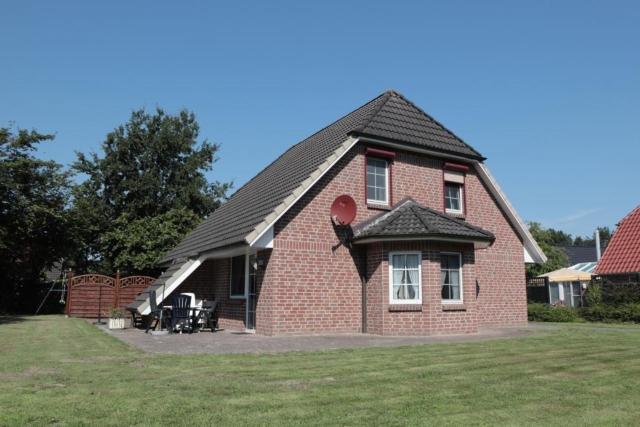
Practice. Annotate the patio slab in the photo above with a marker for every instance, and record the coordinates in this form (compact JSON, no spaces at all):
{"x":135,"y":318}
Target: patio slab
{"x":225,"y":342}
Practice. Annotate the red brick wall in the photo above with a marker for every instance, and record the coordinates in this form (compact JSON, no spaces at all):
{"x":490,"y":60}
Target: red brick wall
{"x":314,"y":283}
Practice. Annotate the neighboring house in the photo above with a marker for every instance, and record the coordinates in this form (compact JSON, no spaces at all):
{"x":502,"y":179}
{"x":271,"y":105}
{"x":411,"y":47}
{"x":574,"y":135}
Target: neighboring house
{"x":579,"y":254}
{"x":620,"y":262}
{"x":566,"y":285}
{"x":435,"y":246}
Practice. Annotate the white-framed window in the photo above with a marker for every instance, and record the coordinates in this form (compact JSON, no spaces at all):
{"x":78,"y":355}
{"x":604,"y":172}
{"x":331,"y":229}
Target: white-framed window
{"x":237,"y":279}
{"x":453,"y":201}
{"x":451,"y":277}
{"x":377,"y":180}
{"x":405,"y":277}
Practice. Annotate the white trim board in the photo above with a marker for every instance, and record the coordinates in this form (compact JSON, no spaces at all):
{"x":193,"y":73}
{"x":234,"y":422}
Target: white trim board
{"x":170,"y":285}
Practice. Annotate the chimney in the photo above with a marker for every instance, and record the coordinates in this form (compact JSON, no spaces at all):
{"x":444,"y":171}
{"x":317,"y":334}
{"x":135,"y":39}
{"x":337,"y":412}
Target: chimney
{"x":597,"y":238}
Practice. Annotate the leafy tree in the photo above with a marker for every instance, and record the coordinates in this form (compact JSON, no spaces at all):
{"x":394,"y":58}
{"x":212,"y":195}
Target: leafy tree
{"x":33,"y":221}
{"x":548,"y":239}
{"x":145,"y":193}
{"x":605,"y":237}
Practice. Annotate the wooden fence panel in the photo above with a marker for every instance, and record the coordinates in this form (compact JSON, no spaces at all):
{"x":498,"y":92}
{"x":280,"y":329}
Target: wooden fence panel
{"x":90,"y":294}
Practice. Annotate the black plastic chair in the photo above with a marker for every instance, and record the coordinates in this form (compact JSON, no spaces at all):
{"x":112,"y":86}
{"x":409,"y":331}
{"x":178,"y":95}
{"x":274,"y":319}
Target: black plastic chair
{"x":155,"y":313}
{"x":181,"y":313}
{"x":209,"y":315}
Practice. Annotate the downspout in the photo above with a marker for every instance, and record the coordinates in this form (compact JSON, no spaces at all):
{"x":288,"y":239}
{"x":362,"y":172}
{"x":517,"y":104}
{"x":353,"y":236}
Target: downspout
{"x":363,"y":276}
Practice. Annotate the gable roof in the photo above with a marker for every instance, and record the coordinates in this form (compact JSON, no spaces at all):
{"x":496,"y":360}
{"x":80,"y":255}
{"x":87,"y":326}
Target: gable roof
{"x":579,"y":254}
{"x":623,"y":251}
{"x":411,"y":220}
{"x":389,"y":116}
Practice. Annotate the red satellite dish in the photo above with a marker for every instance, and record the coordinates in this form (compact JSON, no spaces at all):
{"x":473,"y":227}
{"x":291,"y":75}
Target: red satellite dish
{"x":343,"y":210}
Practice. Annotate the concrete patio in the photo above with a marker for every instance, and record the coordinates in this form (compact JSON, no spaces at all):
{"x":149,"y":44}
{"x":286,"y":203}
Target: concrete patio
{"x":225,"y":342}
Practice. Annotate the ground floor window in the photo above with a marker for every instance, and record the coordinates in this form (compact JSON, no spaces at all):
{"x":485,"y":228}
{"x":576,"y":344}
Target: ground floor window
{"x":567,"y":293}
{"x":451,"y":277}
{"x":237,"y":277}
{"x":405,"y":278}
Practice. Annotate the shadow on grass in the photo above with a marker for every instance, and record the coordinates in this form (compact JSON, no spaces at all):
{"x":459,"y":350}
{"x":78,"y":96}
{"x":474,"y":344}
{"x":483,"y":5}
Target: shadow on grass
{"x":6,"y":319}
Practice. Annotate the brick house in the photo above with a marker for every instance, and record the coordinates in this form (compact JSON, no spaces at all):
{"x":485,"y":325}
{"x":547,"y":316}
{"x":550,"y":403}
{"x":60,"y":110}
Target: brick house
{"x":435,"y":246}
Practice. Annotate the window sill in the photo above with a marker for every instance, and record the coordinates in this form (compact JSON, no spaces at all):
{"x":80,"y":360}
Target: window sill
{"x":405,"y":307}
{"x":237,"y":298}
{"x":459,"y":215}
{"x":458,"y":306}
{"x":379,"y":207}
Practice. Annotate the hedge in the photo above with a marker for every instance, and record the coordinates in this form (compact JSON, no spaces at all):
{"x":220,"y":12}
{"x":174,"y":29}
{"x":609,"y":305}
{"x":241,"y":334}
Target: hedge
{"x":549,"y":313}
{"x":596,"y":313}
{"x":606,"y":313}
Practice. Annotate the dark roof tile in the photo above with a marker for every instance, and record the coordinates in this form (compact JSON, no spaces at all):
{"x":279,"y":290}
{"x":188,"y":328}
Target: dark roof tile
{"x":409,"y":219}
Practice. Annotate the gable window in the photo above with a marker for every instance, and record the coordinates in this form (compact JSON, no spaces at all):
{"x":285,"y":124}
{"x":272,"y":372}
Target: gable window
{"x":377,"y":181}
{"x":451,"y":277}
{"x":236,"y":289}
{"x":453,"y":197}
{"x":453,"y":178}
{"x":405,"y":278}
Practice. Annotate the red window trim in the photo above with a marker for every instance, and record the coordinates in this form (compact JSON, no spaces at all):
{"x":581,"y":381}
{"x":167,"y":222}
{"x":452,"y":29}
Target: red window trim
{"x":377,"y":152}
{"x":389,"y":156}
{"x":456,"y":167}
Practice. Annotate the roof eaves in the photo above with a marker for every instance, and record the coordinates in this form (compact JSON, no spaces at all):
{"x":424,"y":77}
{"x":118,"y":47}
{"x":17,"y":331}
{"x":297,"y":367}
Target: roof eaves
{"x":433,"y":151}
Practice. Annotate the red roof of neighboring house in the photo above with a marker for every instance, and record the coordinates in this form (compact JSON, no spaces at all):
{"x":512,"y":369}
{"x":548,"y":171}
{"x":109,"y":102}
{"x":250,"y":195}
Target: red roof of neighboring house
{"x":623,"y":252}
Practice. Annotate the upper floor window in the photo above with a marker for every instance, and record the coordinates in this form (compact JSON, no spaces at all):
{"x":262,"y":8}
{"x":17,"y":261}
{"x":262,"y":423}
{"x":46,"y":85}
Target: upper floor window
{"x":453,"y":197}
{"x":405,"y":281}
{"x":377,"y":180}
{"x":454,"y":177}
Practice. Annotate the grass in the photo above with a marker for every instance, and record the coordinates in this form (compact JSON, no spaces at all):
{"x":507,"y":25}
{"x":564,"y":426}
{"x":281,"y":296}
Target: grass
{"x":57,"y":371}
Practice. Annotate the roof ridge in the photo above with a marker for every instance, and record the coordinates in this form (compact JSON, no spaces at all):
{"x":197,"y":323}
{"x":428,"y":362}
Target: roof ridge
{"x":446,"y":129}
{"x":367,"y":120}
{"x":415,"y":204}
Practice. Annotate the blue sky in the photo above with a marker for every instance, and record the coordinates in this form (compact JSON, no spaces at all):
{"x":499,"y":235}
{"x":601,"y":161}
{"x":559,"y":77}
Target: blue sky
{"x":548,"y":91}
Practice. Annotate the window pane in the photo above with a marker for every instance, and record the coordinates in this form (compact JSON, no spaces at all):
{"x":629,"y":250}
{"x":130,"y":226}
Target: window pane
{"x":455,"y":292}
{"x":371,"y":193}
{"x":377,"y":180}
{"x":237,"y":275}
{"x":554,"y":294}
{"x":450,"y":277}
{"x":455,"y":277}
{"x":446,"y":292}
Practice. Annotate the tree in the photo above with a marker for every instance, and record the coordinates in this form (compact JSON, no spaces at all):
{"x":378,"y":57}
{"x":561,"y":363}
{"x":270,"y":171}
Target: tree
{"x":33,"y":220}
{"x":145,"y":193}
{"x":605,"y":237}
{"x":548,"y":239}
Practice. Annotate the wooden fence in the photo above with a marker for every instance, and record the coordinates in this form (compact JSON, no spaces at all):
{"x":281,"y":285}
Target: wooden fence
{"x":89,"y":294}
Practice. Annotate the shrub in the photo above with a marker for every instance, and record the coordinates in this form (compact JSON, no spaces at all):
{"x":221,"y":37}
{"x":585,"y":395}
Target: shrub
{"x":549,"y":313}
{"x":607,"y":313}
{"x":620,"y":293}
{"x":593,"y":295}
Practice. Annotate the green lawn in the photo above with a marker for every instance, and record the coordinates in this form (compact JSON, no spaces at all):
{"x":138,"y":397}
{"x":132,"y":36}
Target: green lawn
{"x":61,"y":371}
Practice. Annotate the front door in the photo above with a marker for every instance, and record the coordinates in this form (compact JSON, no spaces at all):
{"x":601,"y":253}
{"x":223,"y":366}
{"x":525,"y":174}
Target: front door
{"x":251,"y":293}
